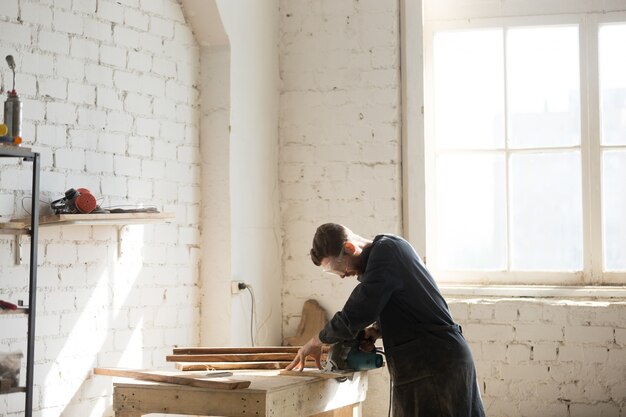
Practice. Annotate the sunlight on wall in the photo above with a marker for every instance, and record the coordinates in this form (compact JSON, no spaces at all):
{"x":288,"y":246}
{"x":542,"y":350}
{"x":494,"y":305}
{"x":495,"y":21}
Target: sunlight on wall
{"x":99,"y":324}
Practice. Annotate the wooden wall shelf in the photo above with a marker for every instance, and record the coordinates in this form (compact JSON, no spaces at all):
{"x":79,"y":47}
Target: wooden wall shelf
{"x":104,"y":219}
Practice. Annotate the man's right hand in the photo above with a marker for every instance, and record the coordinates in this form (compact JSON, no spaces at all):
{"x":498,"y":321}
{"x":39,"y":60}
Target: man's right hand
{"x":370,"y":335}
{"x":312,"y":348}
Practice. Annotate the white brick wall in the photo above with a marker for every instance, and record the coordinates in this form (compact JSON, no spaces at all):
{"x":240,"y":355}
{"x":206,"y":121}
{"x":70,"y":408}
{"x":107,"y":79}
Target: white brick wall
{"x":93,"y":75}
{"x":566,"y":364}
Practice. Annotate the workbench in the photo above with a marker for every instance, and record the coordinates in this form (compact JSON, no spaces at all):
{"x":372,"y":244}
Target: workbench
{"x":269,"y":395}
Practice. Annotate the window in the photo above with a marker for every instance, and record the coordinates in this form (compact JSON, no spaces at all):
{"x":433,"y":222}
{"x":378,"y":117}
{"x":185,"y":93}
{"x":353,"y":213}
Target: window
{"x":525,"y":132}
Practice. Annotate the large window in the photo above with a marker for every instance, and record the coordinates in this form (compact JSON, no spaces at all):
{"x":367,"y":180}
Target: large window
{"x":526,"y":149}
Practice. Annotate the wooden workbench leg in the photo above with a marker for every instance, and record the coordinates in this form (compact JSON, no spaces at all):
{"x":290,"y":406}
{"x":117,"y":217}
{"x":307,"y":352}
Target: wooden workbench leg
{"x":353,"y":410}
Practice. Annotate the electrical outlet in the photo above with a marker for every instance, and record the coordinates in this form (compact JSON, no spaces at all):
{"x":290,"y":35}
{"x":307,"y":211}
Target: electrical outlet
{"x":236,"y":286}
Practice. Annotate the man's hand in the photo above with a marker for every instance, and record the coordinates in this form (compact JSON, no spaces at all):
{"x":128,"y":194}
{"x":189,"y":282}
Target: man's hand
{"x":371,"y":333}
{"x":312,"y":348}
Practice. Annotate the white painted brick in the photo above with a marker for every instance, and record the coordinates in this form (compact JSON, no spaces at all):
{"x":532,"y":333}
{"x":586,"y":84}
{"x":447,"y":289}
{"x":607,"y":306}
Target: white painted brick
{"x":151,"y":43}
{"x":84,"y":49}
{"x":124,"y":165}
{"x":570,"y":354}
{"x":98,"y":162}
{"x":139,"y":61}
{"x":61,"y":113}
{"x":163,"y":107}
{"x":36,"y":110}
{"x":189,"y":194}
{"x":125,"y":37}
{"x":27,"y":85}
{"x":488,"y":332}
{"x":85,"y":6}
{"x":166,"y":190}
{"x":81,"y":93}
{"x":170,"y":129}
{"x":127,"y":81}
{"x":140,"y":146}
{"x":98,"y":75}
{"x":69,"y":159}
{"x":147,"y":127}
{"x":138,"y":104}
{"x":481,"y":311}
{"x":91,"y":118}
{"x":114,"y":186}
{"x":141,"y":189}
{"x":189,"y":236}
{"x":111,"y":11}
{"x":91,"y":253}
{"x":71,"y":69}
{"x":54,"y":42}
{"x":617,"y":357}
{"x":589,"y":334}
{"x":108,"y":98}
{"x":37,"y":64}
{"x":113,"y":56}
{"x":151,"y":84}
{"x":161,"y":27}
{"x":525,"y":372}
{"x":53,"y":181}
{"x":152,"y":169}
{"x":54,"y":88}
{"x":595,"y":354}
{"x":538,"y":332}
{"x":164,"y":67}
{"x":60,"y":254}
{"x":9,"y":8}
{"x":119,"y":122}
{"x":518,"y":353}
{"x":620,"y":336}
{"x":86,"y":139}
{"x":180,"y":170}
{"x":596,"y":410}
{"x":67,"y":22}
{"x":112,"y":143}
{"x":163,"y":149}
{"x":136,"y":19}
{"x":544,"y":351}
{"x":36,"y":13}
{"x":97,"y":30}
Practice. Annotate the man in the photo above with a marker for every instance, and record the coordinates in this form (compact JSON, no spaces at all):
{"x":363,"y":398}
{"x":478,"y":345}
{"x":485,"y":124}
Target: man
{"x":429,"y":361}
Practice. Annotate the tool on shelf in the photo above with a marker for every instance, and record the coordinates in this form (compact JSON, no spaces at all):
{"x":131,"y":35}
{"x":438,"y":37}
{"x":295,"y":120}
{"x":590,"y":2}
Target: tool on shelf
{"x":11,"y":130}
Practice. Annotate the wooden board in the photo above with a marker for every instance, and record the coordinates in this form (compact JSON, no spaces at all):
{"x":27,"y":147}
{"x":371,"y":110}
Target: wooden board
{"x":313,"y":319}
{"x":234,"y":350}
{"x":242,"y":357}
{"x":318,"y":373}
{"x":203,"y":380}
{"x":204,"y":366}
{"x":108,"y":218}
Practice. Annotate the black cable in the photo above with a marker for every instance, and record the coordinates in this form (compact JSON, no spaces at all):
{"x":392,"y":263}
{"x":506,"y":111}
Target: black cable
{"x":249,"y":288}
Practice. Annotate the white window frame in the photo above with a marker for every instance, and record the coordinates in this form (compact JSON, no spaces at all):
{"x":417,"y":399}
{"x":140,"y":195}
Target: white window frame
{"x":418,"y":159}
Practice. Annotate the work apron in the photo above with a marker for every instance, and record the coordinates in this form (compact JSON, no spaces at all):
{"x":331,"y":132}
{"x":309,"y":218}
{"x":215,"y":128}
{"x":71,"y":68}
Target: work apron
{"x":433,"y":375}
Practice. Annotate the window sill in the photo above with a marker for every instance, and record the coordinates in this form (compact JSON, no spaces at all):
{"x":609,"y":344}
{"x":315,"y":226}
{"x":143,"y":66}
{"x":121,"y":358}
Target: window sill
{"x":535,"y":291}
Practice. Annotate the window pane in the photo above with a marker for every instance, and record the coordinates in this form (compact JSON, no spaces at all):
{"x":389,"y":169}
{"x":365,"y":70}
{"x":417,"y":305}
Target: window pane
{"x":469,"y":82}
{"x":543,"y":93}
{"x":546,"y":212}
{"x":612,"y":56}
{"x":614,"y":209}
{"x":471,"y":212}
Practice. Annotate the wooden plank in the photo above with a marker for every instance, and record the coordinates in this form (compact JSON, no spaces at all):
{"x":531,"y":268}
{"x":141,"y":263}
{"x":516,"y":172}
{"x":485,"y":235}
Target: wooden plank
{"x":312,"y":320}
{"x":318,"y":373}
{"x":207,"y":366}
{"x":238,"y":350}
{"x":233,"y":350}
{"x":203,"y":380}
{"x":242,"y":357}
{"x":108,"y":218}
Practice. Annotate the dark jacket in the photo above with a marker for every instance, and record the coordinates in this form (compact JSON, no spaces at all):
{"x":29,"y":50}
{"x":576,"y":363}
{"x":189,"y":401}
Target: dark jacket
{"x":429,"y":361}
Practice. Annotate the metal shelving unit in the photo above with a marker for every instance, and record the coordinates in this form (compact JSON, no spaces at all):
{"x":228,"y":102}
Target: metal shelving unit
{"x":26,"y":154}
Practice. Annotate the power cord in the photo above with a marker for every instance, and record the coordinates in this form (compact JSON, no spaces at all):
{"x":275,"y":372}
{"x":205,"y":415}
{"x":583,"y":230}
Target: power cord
{"x":241,"y":286}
